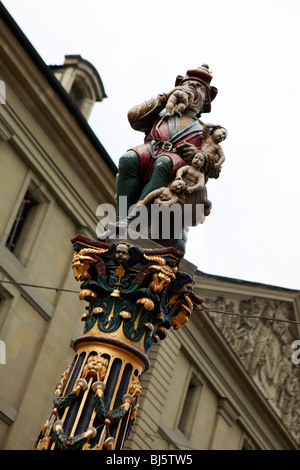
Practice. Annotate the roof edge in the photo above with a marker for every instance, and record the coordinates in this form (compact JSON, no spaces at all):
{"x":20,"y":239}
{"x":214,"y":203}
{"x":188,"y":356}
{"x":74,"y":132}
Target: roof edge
{"x":57,"y":87}
{"x":242,"y":282}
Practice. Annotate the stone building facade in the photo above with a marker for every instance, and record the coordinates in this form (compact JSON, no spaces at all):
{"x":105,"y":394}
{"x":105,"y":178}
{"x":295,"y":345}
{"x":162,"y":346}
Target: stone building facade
{"x":223,"y":381}
{"x":54,"y":174}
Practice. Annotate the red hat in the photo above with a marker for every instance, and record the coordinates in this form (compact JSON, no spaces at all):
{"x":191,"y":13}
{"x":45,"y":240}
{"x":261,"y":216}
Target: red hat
{"x":201,"y":74}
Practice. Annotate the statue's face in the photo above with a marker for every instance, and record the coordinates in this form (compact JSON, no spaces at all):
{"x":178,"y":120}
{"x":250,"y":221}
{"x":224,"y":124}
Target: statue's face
{"x":177,"y":186}
{"x":199,"y":92}
{"x":187,"y":288}
{"x":122,"y":253}
{"x":220,"y":134}
{"x":198,"y":161}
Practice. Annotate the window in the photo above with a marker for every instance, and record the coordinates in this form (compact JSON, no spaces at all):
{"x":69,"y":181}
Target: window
{"x":22,"y":222}
{"x":190,"y":404}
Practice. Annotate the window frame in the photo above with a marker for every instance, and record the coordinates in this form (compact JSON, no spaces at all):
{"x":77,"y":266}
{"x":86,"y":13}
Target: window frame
{"x":32,"y":230}
{"x":189,"y":404}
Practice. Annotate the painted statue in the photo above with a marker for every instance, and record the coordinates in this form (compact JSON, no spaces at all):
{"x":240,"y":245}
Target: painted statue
{"x":176,"y":143}
{"x":169,"y":144}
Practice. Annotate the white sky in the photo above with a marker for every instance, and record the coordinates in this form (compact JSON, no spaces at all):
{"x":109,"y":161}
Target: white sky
{"x":139,"y":47}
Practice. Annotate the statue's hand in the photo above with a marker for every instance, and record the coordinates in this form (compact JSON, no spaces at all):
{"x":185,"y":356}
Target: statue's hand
{"x":189,"y":190}
{"x":187,"y":151}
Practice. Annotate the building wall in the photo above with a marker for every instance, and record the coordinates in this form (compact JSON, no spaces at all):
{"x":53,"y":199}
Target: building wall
{"x":217,"y":383}
{"x":201,"y":393}
{"x":45,"y":149}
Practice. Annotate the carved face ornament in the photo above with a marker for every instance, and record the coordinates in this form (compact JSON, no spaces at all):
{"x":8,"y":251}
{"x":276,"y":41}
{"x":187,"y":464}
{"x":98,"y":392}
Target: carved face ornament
{"x":122,"y":253}
{"x":81,"y":266}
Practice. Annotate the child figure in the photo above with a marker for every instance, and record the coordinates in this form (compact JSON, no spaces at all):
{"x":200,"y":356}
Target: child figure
{"x":212,"y":135}
{"x":193,"y":177}
{"x":178,"y":101}
{"x":166,"y":195}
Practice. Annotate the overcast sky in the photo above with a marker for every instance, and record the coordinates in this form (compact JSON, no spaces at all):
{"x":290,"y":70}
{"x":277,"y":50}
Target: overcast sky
{"x":139,"y":47}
